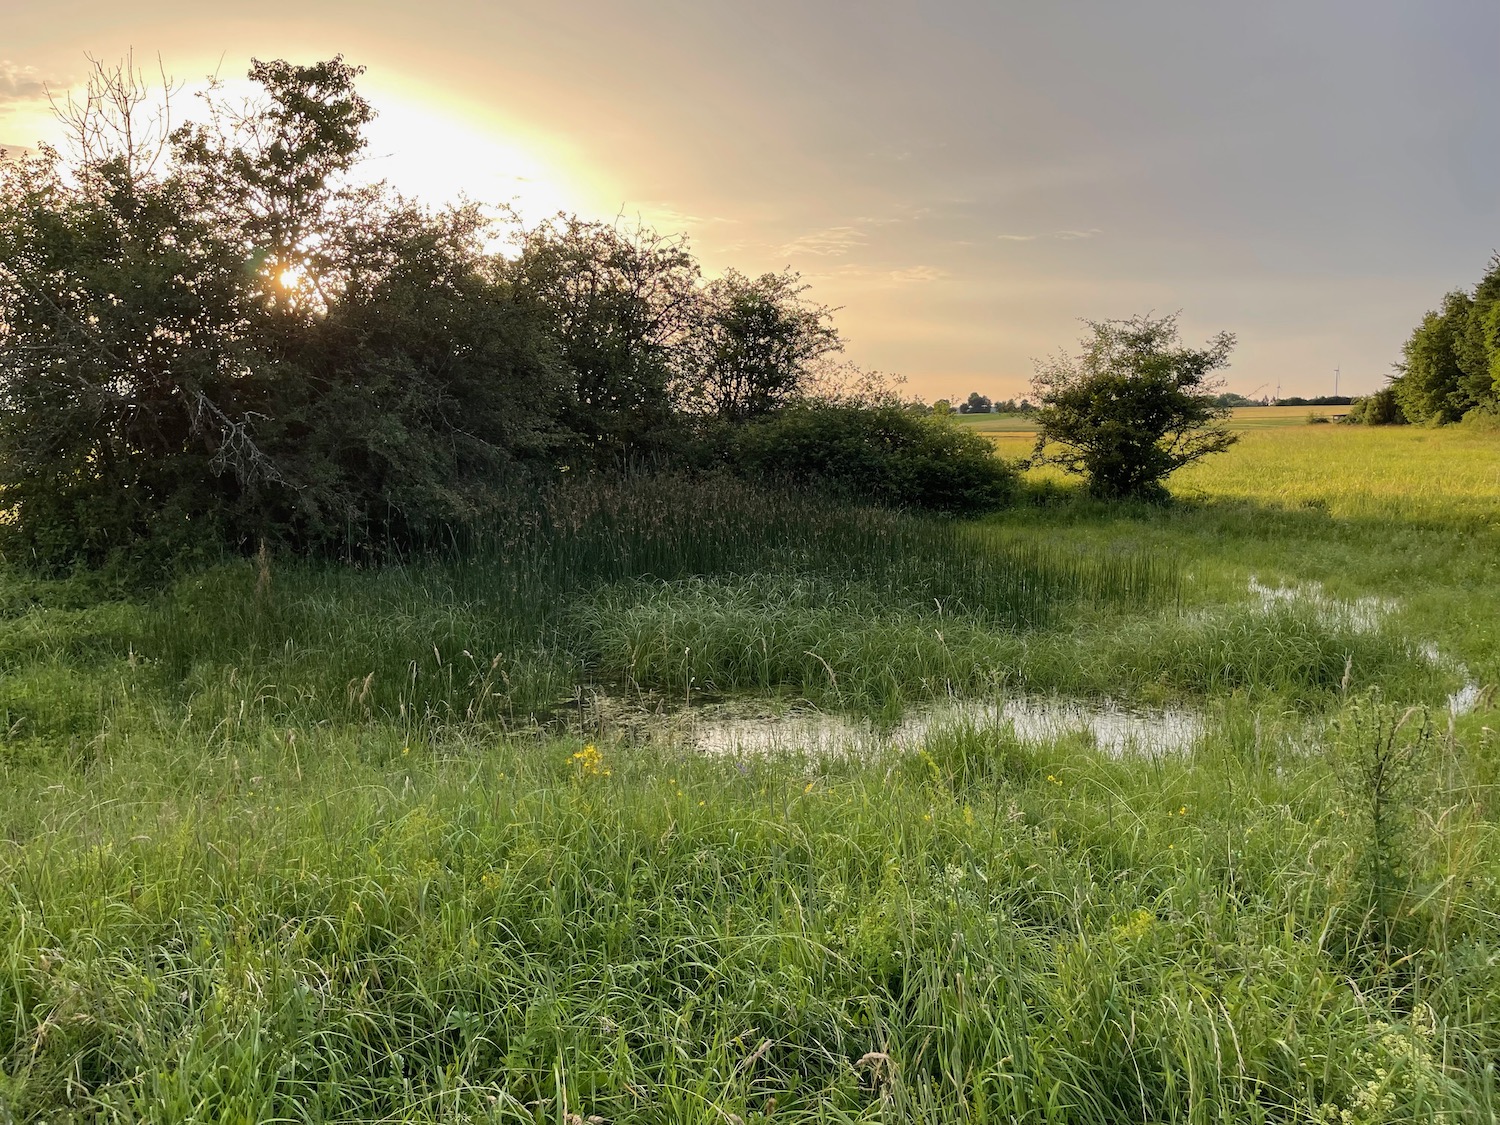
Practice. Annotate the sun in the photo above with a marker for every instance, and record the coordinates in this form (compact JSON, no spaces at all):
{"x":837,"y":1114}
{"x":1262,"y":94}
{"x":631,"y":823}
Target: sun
{"x":440,"y":154}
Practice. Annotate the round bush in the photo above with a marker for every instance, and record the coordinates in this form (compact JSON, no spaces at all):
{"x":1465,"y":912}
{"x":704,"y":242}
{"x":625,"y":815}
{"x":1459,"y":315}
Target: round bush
{"x":882,"y":452}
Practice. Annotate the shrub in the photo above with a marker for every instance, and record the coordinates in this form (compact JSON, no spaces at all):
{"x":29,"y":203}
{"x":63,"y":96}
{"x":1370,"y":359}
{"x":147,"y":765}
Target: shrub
{"x":1378,"y":409}
{"x":1133,"y":407}
{"x":880,"y":452}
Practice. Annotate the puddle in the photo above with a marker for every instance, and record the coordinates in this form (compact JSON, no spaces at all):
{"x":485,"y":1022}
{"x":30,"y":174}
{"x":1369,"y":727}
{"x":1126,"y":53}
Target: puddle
{"x":1465,"y":699}
{"x":745,"y":728}
{"x":1364,"y":615}
{"x":732,"y":730}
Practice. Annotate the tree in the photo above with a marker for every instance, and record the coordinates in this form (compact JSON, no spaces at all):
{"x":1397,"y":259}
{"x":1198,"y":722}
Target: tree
{"x":1378,"y":409}
{"x":1134,"y":406}
{"x":243,"y":343}
{"x":1477,"y":344}
{"x":977,"y":404}
{"x":1431,"y":384}
{"x":754,"y":345}
{"x":620,"y":302}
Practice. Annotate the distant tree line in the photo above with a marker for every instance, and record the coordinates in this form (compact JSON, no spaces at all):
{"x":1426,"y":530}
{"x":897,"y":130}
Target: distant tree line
{"x":977,"y":403}
{"x":1315,"y":400}
{"x":1450,"y":364}
{"x":214,"y":334}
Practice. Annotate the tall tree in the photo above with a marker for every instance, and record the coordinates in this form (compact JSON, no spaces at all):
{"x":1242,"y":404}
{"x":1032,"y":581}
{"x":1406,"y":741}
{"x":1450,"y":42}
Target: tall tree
{"x":1431,"y":383}
{"x":244,"y":343}
{"x":1478,"y":344}
{"x":754,"y":345}
{"x":618,"y":301}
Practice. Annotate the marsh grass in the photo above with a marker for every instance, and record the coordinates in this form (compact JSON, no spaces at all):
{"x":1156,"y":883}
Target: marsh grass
{"x":283,"y":841}
{"x":507,"y":628}
{"x":351,"y":929}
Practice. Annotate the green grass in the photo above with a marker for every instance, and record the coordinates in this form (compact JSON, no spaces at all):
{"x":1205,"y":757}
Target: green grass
{"x":1240,"y":418}
{"x":314,"y":844}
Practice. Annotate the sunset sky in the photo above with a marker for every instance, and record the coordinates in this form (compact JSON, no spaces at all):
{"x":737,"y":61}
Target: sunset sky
{"x":964,"y":179}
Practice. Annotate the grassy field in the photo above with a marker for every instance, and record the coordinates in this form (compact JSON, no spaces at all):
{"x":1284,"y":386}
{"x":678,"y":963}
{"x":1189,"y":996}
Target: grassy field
{"x":1241,"y":418}
{"x":1014,"y":435}
{"x":304,"y":843}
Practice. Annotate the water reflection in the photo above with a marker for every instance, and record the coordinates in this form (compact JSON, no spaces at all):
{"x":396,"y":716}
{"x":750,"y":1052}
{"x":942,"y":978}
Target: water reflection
{"x":741,"y":728}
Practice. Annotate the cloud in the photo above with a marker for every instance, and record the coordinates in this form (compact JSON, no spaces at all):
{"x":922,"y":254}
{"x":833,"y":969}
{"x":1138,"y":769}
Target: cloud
{"x":831,"y":242}
{"x":21,"y":83}
{"x":10,"y":152}
{"x":835,"y":242}
{"x":1059,"y":235}
{"x":917,"y":275}
{"x":664,"y":216}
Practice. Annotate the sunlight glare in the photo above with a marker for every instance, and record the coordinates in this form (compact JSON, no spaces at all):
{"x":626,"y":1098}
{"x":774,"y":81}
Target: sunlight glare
{"x":441,"y":155}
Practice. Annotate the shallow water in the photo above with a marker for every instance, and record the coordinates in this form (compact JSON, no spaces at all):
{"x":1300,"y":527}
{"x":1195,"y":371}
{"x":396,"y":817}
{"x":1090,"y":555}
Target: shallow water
{"x":759,"y":728}
{"x":1364,"y":615}
{"x":1465,"y":699}
{"x":740,"y":729}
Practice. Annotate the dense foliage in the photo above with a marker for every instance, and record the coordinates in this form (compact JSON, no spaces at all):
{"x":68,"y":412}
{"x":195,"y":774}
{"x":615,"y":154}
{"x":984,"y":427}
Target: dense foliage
{"x":1133,"y":407}
{"x":225,"y":337}
{"x":882,"y":452}
{"x":1450,"y":364}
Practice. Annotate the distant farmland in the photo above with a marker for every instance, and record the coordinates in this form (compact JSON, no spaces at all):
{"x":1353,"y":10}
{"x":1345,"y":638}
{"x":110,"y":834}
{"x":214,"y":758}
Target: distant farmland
{"x":1013,"y":433}
{"x":1242,"y":418}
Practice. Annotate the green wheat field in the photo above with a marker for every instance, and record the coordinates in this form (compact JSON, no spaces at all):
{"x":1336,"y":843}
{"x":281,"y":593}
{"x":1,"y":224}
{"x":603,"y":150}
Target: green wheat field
{"x":310,"y":843}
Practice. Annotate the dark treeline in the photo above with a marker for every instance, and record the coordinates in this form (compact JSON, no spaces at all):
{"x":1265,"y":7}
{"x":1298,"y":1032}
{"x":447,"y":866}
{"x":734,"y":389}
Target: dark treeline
{"x":213,"y":335}
{"x":1315,"y":400}
{"x":1450,"y":365}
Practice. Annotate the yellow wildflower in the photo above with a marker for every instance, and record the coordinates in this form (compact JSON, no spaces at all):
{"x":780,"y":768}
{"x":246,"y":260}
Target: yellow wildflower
{"x":1137,"y":927}
{"x":590,"y":762}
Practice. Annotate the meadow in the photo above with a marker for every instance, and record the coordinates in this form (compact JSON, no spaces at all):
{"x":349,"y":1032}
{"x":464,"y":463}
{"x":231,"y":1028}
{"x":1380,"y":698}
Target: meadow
{"x":1240,"y":418}
{"x":1013,"y":434}
{"x":301,"y":842}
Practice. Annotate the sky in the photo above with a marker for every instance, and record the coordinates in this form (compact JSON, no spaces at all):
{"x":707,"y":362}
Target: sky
{"x":964,"y":180}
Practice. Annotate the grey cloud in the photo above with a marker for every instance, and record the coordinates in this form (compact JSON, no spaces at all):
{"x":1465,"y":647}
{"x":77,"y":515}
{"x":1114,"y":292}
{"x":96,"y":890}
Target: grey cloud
{"x":21,"y":83}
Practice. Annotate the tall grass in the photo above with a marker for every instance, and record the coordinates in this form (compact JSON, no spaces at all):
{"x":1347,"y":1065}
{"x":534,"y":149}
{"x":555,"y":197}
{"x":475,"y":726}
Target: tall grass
{"x":504,"y":629}
{"x":283,"y":842}
{"x":341,"y":928}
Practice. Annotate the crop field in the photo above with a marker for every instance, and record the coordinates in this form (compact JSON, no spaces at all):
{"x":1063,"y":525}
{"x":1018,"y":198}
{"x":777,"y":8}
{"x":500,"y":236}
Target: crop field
{"x":1014,"y":435}
{"x":1241,"y":418}
{"x":434,"y":842}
